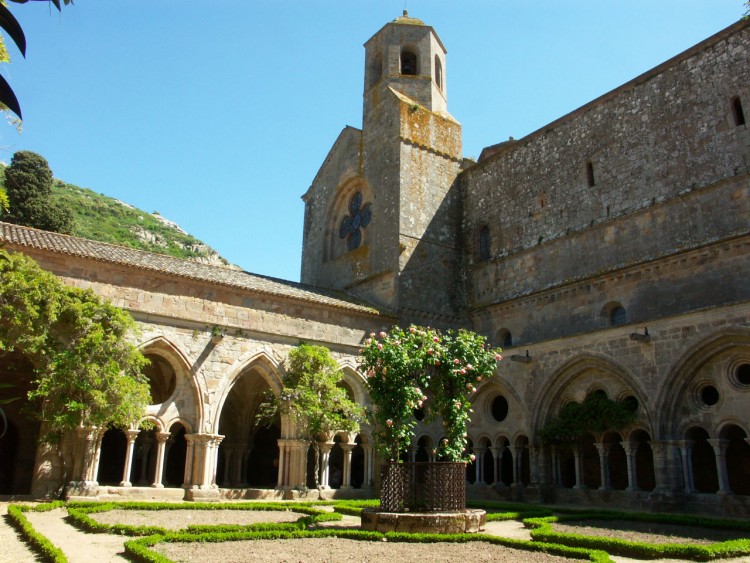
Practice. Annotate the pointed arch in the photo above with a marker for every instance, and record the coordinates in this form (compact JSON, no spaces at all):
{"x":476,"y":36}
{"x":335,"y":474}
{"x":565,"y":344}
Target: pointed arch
{"x":551,"y":395}
{"x":683,"y":373}
{"x":260,"y":361}
{"x":335,"y":243}
{"x":182,"y":366}
{"x":355,"y":381}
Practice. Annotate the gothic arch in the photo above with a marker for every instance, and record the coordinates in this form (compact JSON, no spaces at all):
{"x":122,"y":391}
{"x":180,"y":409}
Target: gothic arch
{"x":335,"y":244}
{"x":684,"y":373}
{"x":355,"y":381}
{"x":179,"y":362}
{"x":260,"y":361}
{"x":550,"y":396}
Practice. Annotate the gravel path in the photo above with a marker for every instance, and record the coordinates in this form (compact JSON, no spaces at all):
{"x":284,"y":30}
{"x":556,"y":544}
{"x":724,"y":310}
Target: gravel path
{"x":178,"y":519}
{"x":647,"y":531}
{"x":12,"y":547}
{"x":332,"y":549}
{"x":78,"y":547}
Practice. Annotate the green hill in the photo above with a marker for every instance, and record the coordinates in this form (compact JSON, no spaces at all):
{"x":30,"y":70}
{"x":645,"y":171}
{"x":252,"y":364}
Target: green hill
{"x":105,"y":219}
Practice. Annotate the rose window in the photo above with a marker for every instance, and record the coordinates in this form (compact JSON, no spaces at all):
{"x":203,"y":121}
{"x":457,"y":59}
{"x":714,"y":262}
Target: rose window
{"x":351,"y":225}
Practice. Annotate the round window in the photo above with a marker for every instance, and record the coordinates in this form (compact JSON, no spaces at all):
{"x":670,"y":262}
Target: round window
{"x":709,"y":395}
{"x":742,"y":374}
{"x":499,"y":408}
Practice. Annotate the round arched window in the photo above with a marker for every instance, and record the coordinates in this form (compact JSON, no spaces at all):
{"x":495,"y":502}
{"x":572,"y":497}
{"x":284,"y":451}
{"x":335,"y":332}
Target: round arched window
{"x":742,"y":374}
{"x":709,"y":395}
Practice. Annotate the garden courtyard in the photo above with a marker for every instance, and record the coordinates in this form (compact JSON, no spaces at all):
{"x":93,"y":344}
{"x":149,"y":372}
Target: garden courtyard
{"x":329,"y":531}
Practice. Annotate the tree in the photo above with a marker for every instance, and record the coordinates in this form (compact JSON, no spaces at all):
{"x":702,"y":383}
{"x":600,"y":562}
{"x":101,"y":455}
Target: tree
{"x":86,"y":372}
{"x":422,"y":368}
{"x":28,"y":185}
{"x":313,"y":396}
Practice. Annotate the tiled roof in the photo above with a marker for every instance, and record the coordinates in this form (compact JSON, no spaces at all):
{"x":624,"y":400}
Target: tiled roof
{"x":17,"y":236}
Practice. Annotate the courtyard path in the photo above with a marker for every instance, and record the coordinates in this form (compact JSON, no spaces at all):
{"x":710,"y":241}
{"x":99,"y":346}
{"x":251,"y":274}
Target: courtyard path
{"x":79,"y":547}
{"x":12,"y":548}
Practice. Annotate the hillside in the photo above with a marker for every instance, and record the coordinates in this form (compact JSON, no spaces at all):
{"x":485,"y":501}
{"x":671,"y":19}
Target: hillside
{"x":105,"y":219}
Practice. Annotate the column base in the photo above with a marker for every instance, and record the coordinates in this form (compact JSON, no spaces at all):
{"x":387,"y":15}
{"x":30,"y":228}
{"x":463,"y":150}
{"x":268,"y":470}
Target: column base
{"x":126,"y":484}
{"x":203,"y":495}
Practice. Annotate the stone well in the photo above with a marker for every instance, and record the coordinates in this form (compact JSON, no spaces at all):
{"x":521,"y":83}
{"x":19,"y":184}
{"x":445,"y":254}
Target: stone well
{"x":424,"y":497}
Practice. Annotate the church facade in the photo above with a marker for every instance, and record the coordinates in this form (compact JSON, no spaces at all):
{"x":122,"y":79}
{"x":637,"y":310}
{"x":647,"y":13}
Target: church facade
{"x":606,"y":253}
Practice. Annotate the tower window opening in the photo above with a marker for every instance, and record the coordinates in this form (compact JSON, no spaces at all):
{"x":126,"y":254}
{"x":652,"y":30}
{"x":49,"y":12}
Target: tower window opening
{"x":484,"y":243}
{"x":617,"y":316}
{"x":408,"y":63}
{"x":438,"y":73}
{"x":739,"y":115}
{"x":590,"y":174}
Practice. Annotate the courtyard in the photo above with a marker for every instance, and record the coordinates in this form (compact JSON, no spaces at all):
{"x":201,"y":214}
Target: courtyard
{"x":329,"y":531}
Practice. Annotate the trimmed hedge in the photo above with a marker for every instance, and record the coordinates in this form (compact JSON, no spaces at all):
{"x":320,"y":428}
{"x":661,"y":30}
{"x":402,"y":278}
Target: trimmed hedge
{"x":543,"y":531}
{"x":140,"y":549}
{"x":78,"y":515}
{"x":37,"y":541}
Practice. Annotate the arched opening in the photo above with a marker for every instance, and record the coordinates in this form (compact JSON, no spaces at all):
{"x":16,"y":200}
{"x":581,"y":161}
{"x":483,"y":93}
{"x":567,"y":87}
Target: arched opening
{"x":424,"y":445}
{"x":504,"y":338}
{"x":175,"y":454}
{"x":336,"y":465}
{"x":567,"y":461}
{"x":438,"y":73}
{"x":112,"y":457}
{"x":142,"y":472}
{"x":737,"y":112}
{"x":506,"y":465}
{"x":737,"y":455}
{"x":18,"y":445}
{"x":263,"y":458}
{"x":617,"y":461}
{"x":249,"y":452}
{"x":358,"y":464}
{"x":590,"y":174}
{"x":614,"y":314}
{"x":409,"y":63}
{"x":703,"y":459}
{"x":161,"y":377}
{"x":644,"y":461}
{"x":312,"y":459}
{"x":590,"y":468}
{"x":499,"y":408}
{"x":488,"y":463}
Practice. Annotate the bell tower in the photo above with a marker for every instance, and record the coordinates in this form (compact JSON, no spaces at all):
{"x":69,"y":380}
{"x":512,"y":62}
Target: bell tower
{"x":409,"y":57}
{"x":382,"y":218}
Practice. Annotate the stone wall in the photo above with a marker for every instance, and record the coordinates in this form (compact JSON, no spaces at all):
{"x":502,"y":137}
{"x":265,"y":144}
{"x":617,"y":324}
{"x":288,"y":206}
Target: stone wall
{"x":655,"y":145}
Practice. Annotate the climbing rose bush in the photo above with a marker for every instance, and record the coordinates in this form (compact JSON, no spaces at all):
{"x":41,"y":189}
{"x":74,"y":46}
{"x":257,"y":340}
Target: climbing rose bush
{"x":423,"y":368}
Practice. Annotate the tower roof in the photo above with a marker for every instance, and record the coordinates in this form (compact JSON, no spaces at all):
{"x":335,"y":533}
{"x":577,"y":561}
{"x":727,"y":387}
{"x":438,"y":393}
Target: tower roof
{"x":406,"y":19}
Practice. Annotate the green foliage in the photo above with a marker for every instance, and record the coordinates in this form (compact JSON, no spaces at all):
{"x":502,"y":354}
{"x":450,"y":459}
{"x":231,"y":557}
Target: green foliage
{"x":313,"y":395}
{"x":105,"y":219}
{"x":543,"y":531}
{"x":595,"y":414}
{"x":86,"y":372}
{"x":37,"y":541}
{"x":28,"y":185}
{"x":422,"y":368}
{"x":4,"y":203}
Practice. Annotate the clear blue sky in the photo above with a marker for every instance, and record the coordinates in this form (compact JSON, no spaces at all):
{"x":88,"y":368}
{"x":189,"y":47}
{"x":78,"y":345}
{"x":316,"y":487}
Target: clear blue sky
{"x":219,"y":113}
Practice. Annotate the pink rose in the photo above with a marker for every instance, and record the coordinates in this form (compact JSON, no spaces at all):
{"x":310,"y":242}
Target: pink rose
{"x":383,"y":334}
{"x":437,"y":362}
{"x":435,"y":339}
{"x":456,"y":361}
{"x":469,"y":366}
{"x":389,"y":422}
{"x":463,"y":372}
{"x":380,"y":346}
{"x":498,"y":357}
{"x":412,"y":329}
{"x":479,"y":378}
{"x":430,"y":352}
{"x":472,"y":457}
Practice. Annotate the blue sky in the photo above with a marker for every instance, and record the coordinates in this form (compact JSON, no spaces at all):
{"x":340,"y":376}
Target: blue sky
{"x":219,"y":113}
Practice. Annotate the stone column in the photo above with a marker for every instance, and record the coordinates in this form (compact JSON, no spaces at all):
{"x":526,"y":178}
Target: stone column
{"x":603,"y":450}
{"x":325,"y":467}
{"x":536,"y":465}
{"x":188,"y":475}
{"x":412,"y":454}
{"x":131,"y":435}
{"x":479,"y":452}
{"x":630,"y":461}
{"x":297,"y":477}
{"x":720,"y":449}
{"x":346,"y":479}
{"x":94,"y":473}
{"x":686,"y":454}
{"x":496,"y":454}
{"x":367,"y":483}
{"x":663,"y":466}
{"x":577,"y":455}
{"x":282,"y":471}
{"x":161,"y":439}
{"x":514,"y":452}
{"x":556,"y":473}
